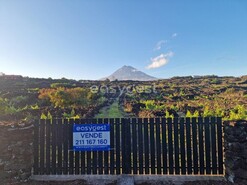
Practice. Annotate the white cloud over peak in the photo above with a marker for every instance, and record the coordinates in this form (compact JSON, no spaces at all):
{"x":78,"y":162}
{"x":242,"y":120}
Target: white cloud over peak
{"x":160,"y":60}
{"x":159,"y":44}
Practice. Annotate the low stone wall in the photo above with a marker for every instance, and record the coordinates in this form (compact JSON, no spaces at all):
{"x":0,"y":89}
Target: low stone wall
{"x":16,"y":155}
{"x":236,"y":151}
{"x":16,"y":152}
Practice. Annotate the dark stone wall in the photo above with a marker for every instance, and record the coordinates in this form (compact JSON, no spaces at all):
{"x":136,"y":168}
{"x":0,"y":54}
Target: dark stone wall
{"x":16,"y":153}
{"x":236,"y":151}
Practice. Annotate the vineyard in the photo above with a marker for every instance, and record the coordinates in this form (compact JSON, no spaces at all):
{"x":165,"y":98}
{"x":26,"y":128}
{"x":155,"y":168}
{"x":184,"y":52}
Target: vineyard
{"x":23,"y":99}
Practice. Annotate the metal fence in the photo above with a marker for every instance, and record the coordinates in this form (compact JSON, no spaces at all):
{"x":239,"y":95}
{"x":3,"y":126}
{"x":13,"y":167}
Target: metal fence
{"x":138,"y":146}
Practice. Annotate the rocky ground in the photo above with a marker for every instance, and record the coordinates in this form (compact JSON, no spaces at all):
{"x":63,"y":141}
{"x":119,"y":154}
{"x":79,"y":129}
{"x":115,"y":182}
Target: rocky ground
{"x":212,"y":183}
{"x":82,"y":182}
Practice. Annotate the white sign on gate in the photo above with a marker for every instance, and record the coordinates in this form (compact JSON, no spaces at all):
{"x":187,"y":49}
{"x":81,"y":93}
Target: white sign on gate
{"x":91,"y":137}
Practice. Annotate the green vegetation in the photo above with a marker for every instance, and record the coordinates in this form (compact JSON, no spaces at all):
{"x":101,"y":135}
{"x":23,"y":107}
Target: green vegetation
{"x":190,"y":115}
{"x":168,"y":115}
{"x":48,"y":116}
{"x":7,"y":109}
{"x":151,"y":105}
{"x":62,"y":97}
{"x":238,"y":113}
{"x":30,"y":98}
{"x":113,"y":111}
{"x":56,"y":85}
{"x":193,"y":97}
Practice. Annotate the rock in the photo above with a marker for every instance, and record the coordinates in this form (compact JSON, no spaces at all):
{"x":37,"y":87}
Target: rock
{"x":24,"y":176}
{"x":235,"y":147}
{"x":241,"y":173}
{"x":7,"y":175}
{"x":230,"y":172}
{"x":236,"y":151}
{"x":234,"y":163}
{"x":231,"y":178}
{"x":244,"y":164}
{"x":1,"y":166}
{"x":13,"y":166}
{"x":19,"y":143}
{"x":125,"y":180}
{"x":229,"y":153}
{"x":241,"y":181}
{"x":231,"y":138}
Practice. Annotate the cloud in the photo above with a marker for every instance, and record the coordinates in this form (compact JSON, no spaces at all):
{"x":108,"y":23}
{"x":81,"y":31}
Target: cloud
{"x":159,"y":44}
{"x":160,"y":60}
{"x":174,"y":35}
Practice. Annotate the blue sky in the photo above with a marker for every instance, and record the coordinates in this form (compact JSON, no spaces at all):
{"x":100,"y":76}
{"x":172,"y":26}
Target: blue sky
{"x":90,"y":39}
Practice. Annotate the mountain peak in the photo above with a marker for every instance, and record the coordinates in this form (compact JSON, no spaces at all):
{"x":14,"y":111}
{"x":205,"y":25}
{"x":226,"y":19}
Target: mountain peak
{"x":125,"y":66}
{"x":129,"y":73}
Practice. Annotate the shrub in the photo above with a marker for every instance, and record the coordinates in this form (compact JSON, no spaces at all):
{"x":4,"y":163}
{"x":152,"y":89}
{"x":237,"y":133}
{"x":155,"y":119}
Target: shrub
{"x":207,"y":112}
{"x":70,"y":98}
{"x":238,"y":113}
{"x":150,"y":105}
{"x":188,"y":114}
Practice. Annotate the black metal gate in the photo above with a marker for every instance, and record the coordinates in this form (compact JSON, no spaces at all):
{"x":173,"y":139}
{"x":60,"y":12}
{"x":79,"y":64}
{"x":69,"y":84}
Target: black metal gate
{"x":138,"y":146}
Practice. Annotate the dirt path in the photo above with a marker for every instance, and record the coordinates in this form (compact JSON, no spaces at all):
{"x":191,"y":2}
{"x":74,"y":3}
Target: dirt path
{"x":115,"y":110}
